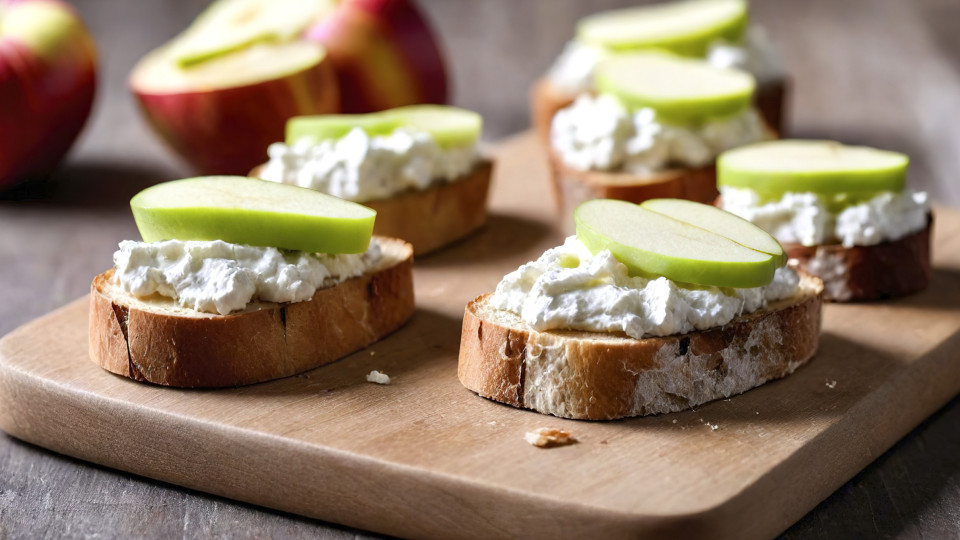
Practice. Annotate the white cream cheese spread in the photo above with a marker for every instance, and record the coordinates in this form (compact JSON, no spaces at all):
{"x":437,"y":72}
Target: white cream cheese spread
{"x":599,"y":133}
{"x":359,"y":167}
{"x":572,"y":71}
{"x":811,"y":219}
{"x":219,"y":277}
{"x":568,"y":287}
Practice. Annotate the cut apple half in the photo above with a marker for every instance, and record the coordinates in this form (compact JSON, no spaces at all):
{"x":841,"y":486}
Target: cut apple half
{"x":653,"y":244}
{"x":228,"y":26}
{"x":250,"y":211}
{"x":826,"y":167}
{"x":157,"y":73}
{"x":449,"y":126}
{"x":680,"y":90}
{"x":685,"y":27}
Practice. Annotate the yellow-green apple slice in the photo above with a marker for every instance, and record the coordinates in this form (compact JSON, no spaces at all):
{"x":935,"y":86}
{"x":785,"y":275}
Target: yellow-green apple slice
{"x":249,"y":211}
{"x":681,"y":90}
{"x":449,"y":126}
{"x":230,"y":25}
{"x":718,"y":221}
{"x":652,"y":244}
{"x":222,"y":114}
{"x":686,"y":27}
{"x":825,"y":167}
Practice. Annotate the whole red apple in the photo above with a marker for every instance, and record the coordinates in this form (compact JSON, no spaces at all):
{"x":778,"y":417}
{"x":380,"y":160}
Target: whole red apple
{"x":47,"y":83}
{"x":385,"y":55}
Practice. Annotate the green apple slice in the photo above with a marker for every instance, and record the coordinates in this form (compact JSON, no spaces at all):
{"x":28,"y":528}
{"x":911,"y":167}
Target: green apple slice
{"x":685,"y":27}
{"x":680,"y":90}
{"x":449,"y":126}
{"x":825,"y":167}
{"x":231,"y":25}
{"x":250,"y":211}
{"x":713,"y":219}
{"x":652,"y":244}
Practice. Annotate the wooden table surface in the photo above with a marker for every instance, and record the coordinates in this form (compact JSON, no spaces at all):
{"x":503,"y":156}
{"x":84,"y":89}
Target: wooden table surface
{"x":880,"y":72}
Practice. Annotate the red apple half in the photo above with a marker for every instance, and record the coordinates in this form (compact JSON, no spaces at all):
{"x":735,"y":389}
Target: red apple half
{"x":47,"y":82}
{"x":221,"y":113}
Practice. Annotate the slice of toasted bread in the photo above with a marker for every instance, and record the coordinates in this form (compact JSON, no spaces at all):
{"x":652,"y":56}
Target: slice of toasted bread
{"x":861,"y":273}
{"x":432,"y":218}
{"x":546,"y":99}
{"x":604,"y":376}
{"x":155,"y":340}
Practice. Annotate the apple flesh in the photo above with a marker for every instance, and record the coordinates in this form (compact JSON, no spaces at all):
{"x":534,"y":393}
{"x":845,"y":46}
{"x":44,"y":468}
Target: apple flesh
{"x":681,"y":90}
{"x":653,"y":244}
{"x":825,"y":167}
{"x":222,"y":114}
{"x":686,"y":27}
{"x":449,"y":126}
{"x":47,"y":82}
{"x":249,"y":211}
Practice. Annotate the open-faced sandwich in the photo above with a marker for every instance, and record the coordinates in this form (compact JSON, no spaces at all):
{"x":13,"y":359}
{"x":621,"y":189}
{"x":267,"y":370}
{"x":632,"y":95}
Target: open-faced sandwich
{"x":715,"y":31}
{"x":239,"y":281}
{"x":842,"y":211}
{"x":650,"y":308}
{"x":417,"y":166}
{"x":653,"y":130}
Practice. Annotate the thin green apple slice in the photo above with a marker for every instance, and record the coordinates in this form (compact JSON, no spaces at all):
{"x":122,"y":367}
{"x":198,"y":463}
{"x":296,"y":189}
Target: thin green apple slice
{"x":686,"y":27}
{"x":652,"y":244}
{"x":250,"y":211}
{"x":231,"y":25}
{"x":449,"y":126}
{"x":825,"y":167}
{"x":680,"y":90}
{"x":724,"y":223}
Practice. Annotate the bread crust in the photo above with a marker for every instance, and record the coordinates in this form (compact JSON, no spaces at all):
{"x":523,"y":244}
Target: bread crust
{"x":862,"y":273}
{"x":598,"y":376}
{"x":159,"y":343}
{"x":432,"y":218}
{"x":546,"y":99}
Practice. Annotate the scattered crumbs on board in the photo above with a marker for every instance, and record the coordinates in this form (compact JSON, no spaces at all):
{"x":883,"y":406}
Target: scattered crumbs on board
{"x":378,"y":377}
{"x":549,"y":437}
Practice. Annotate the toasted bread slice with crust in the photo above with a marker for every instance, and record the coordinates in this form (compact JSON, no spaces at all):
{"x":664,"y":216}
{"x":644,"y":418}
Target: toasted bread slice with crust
{"x":155,"y":340}
{"x":432,"y":218}
{"x":605,"y":376}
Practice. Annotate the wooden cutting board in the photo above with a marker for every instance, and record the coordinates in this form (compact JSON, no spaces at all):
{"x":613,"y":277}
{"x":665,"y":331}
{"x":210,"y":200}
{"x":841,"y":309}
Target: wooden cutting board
{"x":425,"y":457}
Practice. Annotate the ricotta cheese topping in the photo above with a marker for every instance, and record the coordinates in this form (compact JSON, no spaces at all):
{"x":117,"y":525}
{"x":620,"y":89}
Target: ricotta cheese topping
{"x":220,"y":277}
{"x":812,"y":219}
{"x":359,"y":167}
{"x":568,"y":287}
{"x":572,"y":71}
{"x":599,"y":133}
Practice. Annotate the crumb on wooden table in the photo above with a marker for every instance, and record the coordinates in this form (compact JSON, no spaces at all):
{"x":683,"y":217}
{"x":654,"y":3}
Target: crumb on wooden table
{"x":831,"y":384}
{"x":549,"y":437}
{"x":378,"y":377}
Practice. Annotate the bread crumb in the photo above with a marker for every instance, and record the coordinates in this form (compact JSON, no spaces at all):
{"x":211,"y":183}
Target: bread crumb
{"x":548,"y":437}
{"x":373,"y":353}
{"x":831,"y":384}
{"x":377,"y":377}
{"x":674,"y":420}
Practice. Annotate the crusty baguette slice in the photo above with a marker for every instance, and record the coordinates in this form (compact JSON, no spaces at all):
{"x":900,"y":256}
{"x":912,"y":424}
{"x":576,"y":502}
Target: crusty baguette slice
{"x":432,"y":218}
{"x":597,"y":376}
{"x":157,"y":341}
{"x":546,"y":99}
{"x":860,"y":273}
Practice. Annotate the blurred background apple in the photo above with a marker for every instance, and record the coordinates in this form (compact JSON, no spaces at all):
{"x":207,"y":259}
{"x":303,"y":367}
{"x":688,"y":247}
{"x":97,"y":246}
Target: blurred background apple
{"x":48,"y":66}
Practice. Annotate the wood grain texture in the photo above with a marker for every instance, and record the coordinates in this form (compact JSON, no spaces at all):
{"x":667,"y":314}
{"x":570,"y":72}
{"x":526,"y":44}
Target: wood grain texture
{"x":882,"y":72}
{"x":387,"y":458}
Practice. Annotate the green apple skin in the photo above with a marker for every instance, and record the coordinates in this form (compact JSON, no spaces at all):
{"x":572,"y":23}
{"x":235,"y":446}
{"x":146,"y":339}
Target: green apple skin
{"x":449,"y":126}
{"x":812,"y":166}
{"x":250,"y":211}
{"x":617,"y":30}
{"x":714,"y":219}
{"x":681,"y":90}
{"x":652,"y":244}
